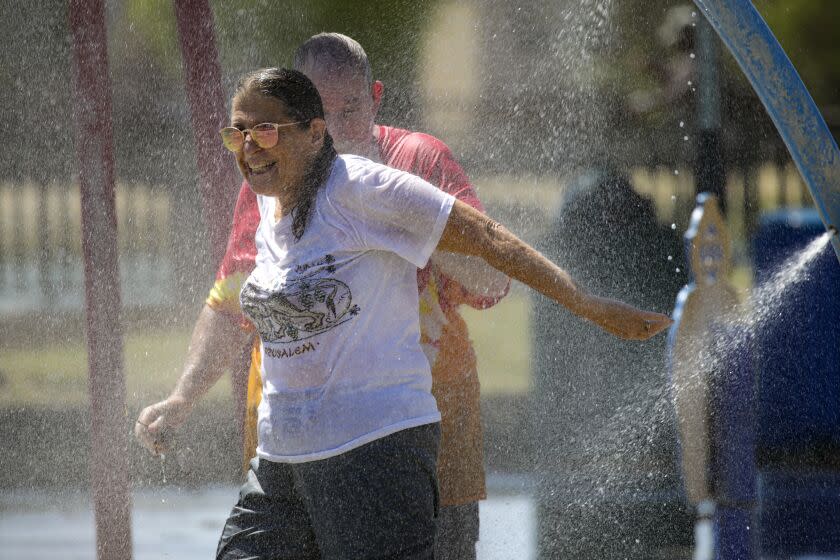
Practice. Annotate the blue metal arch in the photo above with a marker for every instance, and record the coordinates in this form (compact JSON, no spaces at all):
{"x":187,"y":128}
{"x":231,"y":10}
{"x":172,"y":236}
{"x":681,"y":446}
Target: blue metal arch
{"x":786,"y":99}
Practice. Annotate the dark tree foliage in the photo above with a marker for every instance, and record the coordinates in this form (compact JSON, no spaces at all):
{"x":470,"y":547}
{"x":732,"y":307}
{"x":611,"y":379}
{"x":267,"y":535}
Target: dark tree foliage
{"x":255,"y":33}
{"x":35,"y":92}
{"x":652,"y":79}
{"x":808,"y":33}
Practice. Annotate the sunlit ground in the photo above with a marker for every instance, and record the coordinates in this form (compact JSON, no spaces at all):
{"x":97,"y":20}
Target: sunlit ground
{"x":186,"y":524}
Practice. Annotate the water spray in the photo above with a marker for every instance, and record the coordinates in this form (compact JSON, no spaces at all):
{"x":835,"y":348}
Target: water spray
{"x":787,"y":101}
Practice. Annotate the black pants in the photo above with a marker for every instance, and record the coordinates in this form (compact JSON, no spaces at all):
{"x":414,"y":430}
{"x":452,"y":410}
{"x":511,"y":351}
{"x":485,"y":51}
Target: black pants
{"x":377,"y":501}
{"x":457,"y":532}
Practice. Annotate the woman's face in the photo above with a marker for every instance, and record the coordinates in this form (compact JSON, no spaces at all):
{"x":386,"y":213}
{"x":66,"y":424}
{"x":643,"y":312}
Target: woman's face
{"x":278,"y":170}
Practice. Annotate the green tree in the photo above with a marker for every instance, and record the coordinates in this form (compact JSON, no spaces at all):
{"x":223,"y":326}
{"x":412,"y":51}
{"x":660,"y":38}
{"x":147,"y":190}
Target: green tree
{"x":257,"y":33}
{"x":808,"y":33}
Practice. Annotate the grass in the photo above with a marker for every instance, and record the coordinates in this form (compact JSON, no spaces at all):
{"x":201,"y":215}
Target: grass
{"x":56,"y":376}
{"x":501,"y":336}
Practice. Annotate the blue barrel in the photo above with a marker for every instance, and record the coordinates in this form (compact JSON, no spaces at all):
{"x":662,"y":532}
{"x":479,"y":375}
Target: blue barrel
{"x":797,"y":360}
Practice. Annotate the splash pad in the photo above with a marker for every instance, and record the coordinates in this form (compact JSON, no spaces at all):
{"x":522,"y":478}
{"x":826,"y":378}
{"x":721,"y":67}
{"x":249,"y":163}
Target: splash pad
{"x":816,"y":163}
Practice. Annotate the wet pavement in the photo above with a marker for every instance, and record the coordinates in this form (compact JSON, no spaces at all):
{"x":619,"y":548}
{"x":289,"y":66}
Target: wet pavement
{"x":185,"y":524}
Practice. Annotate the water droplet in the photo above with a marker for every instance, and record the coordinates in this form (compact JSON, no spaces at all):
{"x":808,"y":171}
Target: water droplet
{"x":673,"y":197}
{"x":689,"y":82}
{"x":682,"y":124}
{"x":163,"y":500}
{"x":673,"y":226}
{"x":691,"y":55}
{"x":678,"y":269}
{"x":670,"y":257}
{"x":676,"y":171}
{"x":685,"y":138}
{"x":693,"y":14}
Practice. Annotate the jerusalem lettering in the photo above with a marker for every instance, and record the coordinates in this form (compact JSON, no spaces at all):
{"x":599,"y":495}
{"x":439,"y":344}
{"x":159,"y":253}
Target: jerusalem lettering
{"x":289,"y":352}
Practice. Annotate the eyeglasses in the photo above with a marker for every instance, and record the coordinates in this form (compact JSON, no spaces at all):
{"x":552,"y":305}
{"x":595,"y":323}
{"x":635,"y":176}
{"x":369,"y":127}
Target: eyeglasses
{"x":264,"y":135}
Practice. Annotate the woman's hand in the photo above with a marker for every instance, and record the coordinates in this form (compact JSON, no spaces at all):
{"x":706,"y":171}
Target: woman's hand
{"x":158,"y":421}
{"x":626,"y":321}
{"x":216,"y":342}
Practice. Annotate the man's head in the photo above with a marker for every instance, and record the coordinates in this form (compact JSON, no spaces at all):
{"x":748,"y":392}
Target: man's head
{"x":339,"y":68}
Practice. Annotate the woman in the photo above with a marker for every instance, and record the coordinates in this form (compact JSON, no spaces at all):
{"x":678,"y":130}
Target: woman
{"x":348,"y":428}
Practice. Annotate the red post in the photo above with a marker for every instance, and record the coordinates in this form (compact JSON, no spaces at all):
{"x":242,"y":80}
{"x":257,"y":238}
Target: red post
{"x":94,"y":144}
{"x":219,"y":179}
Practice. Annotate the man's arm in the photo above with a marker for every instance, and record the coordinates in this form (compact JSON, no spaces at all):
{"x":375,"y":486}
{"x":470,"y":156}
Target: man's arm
{"x":216,"y":342}
{"x":473,"y":273}
{"x":470,"y":232}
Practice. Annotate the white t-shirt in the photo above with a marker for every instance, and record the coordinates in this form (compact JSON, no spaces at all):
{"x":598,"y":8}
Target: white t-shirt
{"x":337,"y":312}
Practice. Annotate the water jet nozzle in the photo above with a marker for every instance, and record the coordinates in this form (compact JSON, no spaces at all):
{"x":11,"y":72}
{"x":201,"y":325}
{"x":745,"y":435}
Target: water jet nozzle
{"x":832,"y":230}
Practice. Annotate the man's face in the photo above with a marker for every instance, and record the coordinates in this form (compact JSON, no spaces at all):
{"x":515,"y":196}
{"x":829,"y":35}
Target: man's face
{"x":350,"y":107}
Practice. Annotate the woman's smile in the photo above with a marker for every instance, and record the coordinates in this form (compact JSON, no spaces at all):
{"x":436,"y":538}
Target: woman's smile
{"x":262,"y":173}
{"x":260,"y":169}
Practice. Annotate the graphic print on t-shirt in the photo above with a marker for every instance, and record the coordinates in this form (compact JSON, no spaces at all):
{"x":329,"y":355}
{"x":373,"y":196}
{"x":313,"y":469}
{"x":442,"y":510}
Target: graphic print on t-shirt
{"x":300,"y":308}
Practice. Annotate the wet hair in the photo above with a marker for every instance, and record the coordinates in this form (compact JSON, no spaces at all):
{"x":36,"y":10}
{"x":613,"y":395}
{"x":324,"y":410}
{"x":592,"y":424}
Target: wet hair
{"x":334,"y":53}
{"x":302,"y":103}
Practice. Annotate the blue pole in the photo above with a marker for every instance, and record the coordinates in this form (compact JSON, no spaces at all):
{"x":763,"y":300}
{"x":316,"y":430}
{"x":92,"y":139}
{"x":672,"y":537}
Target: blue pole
{"x":786,"y":99}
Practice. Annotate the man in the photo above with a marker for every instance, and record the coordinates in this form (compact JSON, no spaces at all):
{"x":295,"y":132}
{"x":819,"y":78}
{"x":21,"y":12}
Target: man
{"x":339,"y":68}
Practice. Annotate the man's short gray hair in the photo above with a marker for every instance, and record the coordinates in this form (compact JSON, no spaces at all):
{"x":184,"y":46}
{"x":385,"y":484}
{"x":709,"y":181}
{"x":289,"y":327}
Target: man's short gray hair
{"x":333,"y":52}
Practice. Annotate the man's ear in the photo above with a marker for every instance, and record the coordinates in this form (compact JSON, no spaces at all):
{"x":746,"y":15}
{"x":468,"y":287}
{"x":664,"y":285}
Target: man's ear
{"x":377,"y":89}
{"x":317,"y":129}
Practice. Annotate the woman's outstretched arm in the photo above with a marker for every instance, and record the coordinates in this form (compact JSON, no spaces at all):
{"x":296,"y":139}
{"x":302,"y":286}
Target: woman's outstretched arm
{"x":215,"y":343}
{"x":470,"y":232}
